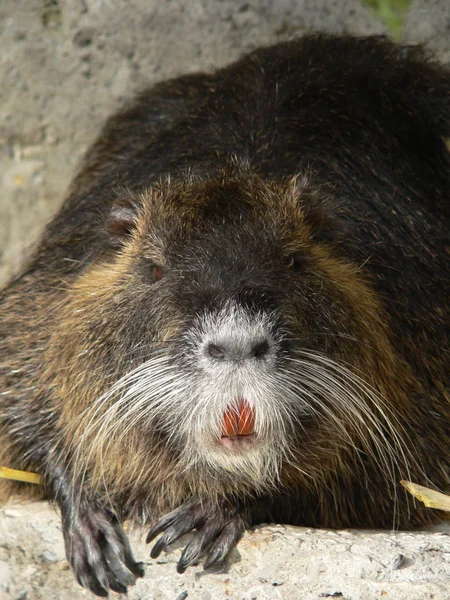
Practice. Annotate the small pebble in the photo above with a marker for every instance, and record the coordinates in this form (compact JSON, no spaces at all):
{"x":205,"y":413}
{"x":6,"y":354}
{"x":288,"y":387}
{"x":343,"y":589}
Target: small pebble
{"x":396,"y":562}
{"x":49,"y":556}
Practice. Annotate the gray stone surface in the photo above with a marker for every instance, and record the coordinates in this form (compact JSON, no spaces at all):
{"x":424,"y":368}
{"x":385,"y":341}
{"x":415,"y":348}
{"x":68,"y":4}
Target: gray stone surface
{"x":428,"y":22}
{"x":270,"y":563}
{"x":64,"y":66}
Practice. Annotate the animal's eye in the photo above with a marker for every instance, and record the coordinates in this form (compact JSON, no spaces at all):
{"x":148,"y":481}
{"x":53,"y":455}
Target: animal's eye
{"x":296,"y":261}
{"x":153,"y":273}
{"x":157,"y":272}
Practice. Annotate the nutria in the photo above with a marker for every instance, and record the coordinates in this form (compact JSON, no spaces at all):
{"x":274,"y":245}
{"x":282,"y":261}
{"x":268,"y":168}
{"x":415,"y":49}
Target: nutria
{"x":239,"y":313}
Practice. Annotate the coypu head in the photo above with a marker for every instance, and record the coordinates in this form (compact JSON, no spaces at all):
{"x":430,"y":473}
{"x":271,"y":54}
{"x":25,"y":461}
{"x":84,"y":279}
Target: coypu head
{"x":220,"y":343}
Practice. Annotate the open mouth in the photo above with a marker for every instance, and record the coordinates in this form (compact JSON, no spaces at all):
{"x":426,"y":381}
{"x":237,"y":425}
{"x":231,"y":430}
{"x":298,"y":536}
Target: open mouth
{"x":238,"y":426}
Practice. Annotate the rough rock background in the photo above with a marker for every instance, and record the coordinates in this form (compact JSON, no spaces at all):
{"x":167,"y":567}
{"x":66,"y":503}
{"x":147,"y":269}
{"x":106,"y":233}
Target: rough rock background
{"x":64,"y":66}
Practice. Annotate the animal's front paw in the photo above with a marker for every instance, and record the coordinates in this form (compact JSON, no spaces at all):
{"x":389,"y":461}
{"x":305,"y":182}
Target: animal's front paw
{"x":218,"y":531}
{"x":98,"y":550}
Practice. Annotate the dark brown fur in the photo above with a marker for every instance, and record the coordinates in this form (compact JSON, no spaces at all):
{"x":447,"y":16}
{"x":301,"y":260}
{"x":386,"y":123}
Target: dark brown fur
{"x":202,"y":180}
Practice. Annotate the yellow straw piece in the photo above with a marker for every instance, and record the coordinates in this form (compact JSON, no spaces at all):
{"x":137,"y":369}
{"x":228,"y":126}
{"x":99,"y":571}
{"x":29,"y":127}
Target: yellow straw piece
{"x":7,"y":473}
{"x":430,"y":498}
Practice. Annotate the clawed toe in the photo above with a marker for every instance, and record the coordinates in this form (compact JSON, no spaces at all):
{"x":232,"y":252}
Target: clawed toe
{"x":216,"y":534}
{"x":99,"y":552}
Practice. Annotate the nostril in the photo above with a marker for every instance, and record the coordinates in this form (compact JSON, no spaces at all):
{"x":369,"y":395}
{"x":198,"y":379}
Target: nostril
{"x":216,"y":352}
{"x":237,"y":350}
{"x":261,"y":349}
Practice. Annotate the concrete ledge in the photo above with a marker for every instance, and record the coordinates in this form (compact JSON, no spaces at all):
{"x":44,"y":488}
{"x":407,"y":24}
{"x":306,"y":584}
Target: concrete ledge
{"x":273,"y":562}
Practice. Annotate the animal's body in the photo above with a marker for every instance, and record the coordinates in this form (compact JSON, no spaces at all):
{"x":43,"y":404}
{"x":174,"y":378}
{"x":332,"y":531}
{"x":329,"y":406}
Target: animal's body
{"x":240,"y":311}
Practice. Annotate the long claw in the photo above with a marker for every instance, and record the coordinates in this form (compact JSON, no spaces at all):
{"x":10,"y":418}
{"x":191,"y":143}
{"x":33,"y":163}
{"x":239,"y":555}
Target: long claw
{"x":216,"y":530}
{"x":224,"y":543}
{"x":98,"y":551}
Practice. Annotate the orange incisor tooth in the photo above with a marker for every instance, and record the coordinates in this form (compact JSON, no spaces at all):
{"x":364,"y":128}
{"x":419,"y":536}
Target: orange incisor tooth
{"x":246,"y":419}
{"x":239,"y":421}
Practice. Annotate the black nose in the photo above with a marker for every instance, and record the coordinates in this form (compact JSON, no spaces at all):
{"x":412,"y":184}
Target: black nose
{"x":233,"y":351}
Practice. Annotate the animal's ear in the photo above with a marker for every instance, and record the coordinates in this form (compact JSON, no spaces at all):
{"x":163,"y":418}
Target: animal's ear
{"x":121,"y":221}
{"x":317,"y":209}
